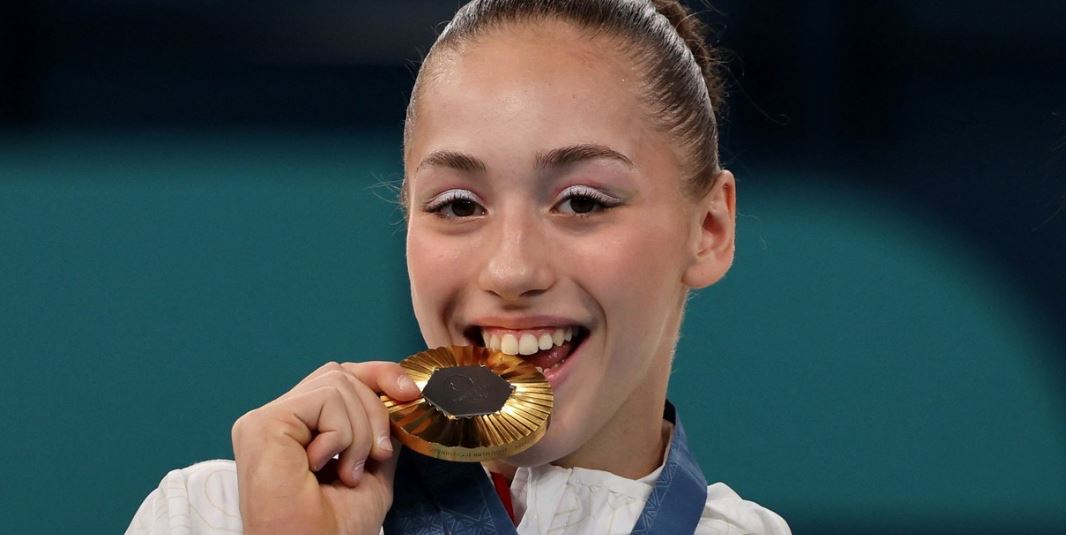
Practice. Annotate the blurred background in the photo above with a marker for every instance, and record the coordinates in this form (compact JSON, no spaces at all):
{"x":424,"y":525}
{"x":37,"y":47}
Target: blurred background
{"x":196,"y":211}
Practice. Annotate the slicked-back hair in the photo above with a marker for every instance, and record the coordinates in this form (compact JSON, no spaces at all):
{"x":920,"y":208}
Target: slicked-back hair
{"x":682,"y":85}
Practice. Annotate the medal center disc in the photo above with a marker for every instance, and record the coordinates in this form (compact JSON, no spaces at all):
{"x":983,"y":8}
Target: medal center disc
{"x":466,"y":391}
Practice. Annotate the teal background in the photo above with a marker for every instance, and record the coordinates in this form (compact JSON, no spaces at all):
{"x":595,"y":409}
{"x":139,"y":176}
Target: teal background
{"x":862,"y":364}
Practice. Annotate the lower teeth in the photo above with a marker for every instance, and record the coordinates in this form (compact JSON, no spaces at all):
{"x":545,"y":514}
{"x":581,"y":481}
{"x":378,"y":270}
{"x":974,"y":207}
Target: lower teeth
{"x":552,"y":367}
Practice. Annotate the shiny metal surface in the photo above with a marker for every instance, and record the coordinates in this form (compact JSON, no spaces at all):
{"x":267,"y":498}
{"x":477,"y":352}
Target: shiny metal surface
{"x":521,"y":421}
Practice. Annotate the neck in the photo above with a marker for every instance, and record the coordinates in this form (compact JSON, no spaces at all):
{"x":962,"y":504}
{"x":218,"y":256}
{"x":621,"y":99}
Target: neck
{"x":631,"y":444}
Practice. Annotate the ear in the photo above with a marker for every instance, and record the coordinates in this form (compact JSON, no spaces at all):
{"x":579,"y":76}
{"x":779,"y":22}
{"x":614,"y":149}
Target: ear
{"x":714,"y":232}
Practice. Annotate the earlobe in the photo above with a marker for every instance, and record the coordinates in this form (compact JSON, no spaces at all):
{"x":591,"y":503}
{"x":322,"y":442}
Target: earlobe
{"x":714,"y":227}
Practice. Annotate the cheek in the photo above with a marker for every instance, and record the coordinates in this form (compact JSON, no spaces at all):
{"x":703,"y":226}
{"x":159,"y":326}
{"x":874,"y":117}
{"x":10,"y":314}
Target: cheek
{"x":434,"y":260}
{"x":434,"y":267}
{"x":634,"y":274}
{"x":633,"y":268}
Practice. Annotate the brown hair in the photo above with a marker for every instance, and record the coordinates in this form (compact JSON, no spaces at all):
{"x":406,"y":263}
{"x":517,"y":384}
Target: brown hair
{"x":667,"y":42}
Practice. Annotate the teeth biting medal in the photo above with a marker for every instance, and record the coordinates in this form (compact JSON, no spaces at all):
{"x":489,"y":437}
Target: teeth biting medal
{"x":477,"y":404}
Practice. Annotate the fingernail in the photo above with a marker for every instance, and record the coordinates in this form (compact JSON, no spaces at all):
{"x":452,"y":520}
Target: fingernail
{"x":385,"y":442}
{"x":404,"y":382}
{"x":357,"y":472}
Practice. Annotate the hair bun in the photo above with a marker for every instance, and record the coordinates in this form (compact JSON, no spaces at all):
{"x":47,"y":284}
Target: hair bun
{"x":694,"y":32}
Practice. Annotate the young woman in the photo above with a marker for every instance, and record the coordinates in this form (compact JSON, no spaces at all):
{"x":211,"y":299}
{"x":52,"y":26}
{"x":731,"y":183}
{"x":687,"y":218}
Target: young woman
{"x":561,"y":174}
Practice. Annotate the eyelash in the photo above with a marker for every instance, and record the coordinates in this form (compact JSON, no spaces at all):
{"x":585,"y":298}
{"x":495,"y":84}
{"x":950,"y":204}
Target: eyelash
{"x":603,"y":201}
{"x":448,"y":198}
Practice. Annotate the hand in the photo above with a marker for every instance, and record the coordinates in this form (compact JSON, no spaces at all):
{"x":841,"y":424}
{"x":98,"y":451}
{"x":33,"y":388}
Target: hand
{"x":287,"y":480}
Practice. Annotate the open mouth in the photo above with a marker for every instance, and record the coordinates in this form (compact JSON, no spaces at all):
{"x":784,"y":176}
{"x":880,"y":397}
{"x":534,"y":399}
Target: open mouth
{"x":546,"y":348}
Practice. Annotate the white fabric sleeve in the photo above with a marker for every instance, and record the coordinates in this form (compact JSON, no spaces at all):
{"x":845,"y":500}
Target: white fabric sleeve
{"x":726,"y":513}
{"x":198,"y":500}
{"x":201,"y":499}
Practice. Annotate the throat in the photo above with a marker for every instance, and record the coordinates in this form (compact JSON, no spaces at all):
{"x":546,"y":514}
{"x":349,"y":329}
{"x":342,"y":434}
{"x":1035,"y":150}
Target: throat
{"x":632,"y":443}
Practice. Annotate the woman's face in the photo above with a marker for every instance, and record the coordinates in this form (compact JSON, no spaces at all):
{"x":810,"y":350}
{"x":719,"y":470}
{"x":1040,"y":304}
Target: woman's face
{"x":541,"y":199}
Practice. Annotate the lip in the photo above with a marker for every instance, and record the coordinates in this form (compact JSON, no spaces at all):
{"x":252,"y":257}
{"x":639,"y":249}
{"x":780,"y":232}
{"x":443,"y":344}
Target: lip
{"x":557,"y":376}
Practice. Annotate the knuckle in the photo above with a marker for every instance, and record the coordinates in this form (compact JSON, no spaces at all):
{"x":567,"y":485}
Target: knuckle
{"x":333,"y":378}
{"x":258,"y":424}
{"x":243,"y":422}
{"x":289,"y":428}
{"x":333,"y":392}
{"x":235,"y":430}
{"x":322,"y":370}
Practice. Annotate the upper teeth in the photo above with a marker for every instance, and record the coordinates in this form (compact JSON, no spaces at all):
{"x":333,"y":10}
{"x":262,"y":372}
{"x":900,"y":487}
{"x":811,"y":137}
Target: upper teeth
{"x":526,"y":343}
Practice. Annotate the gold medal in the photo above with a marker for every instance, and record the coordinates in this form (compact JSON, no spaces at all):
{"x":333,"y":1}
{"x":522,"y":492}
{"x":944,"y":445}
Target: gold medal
{"x":476,"y":404}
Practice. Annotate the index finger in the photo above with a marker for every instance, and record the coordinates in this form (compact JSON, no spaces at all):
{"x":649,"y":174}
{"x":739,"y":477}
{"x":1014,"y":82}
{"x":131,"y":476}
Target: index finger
{"x":385,"y":377}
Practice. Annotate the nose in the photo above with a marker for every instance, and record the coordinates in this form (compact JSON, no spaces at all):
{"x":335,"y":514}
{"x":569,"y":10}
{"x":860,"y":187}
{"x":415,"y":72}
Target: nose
{"x":518,"y":262}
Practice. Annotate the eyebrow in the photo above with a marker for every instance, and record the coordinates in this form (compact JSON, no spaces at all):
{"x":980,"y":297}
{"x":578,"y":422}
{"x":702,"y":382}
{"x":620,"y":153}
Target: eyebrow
{"x":577,"y":153}
{"x":552,"y":159}
{"x":453,"y":160}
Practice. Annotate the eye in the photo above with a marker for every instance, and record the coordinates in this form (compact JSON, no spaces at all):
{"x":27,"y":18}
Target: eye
{"x":455,"y":203}
{"x":583,"y":201}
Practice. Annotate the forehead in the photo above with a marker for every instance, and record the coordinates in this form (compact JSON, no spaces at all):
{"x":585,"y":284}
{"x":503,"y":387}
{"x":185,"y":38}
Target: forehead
{"x":532,"y":85}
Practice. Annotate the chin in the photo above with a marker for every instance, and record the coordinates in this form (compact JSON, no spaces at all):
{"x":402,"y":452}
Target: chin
{"x":541,"y":453}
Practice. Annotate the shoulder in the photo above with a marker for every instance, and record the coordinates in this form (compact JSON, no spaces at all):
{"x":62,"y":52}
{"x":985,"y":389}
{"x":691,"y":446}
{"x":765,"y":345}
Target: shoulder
{"x":198,"y":499}
{"x":727,"y":513}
